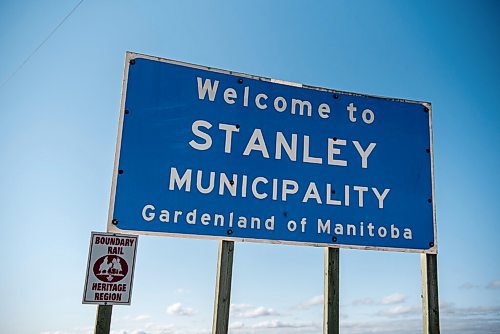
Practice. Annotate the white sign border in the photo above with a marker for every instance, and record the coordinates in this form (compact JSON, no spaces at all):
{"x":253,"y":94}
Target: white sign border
{"x":112,"y":228}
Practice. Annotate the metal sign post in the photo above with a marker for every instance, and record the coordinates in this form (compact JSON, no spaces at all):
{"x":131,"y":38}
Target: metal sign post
{"x":103,"y":319}
{"x":331,"y":301}
{"x":223,"y":287}
{"x":430,"y":302}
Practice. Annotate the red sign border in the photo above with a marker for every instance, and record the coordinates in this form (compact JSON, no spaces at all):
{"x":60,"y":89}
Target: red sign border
{"x":131,"y":268}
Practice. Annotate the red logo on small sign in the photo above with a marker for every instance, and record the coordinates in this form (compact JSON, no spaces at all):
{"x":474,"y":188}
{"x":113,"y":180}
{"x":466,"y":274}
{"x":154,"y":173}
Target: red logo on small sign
{"x":110,"y":268}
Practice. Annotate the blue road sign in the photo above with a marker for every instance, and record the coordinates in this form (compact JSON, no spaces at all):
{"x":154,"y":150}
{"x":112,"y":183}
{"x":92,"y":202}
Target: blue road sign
{"x":211,"y":153}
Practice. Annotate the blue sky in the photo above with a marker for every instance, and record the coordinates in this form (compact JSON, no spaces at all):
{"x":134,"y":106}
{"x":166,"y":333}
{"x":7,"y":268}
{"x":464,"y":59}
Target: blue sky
{"x":58,"y":125}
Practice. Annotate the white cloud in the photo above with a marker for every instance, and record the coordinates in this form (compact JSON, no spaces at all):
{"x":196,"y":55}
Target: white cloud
{"x":311,"y":302}
{"x":395,"y":298}
{"x":400,"y":310}
{"x":363,"y":301}
{"x":75,"y":330}
{"x":139,"y":317}
{"x":467,"y":286}
{"x":283,"y":324}
{"x":58,"y":332}
{"x":153,"y":328}
{"x":157,"y":328}
{"x":250,"y":311}
{"x":470,"y":326}
{"x":450,"y":310}
{"x":493,"y":285}
{"x":457,"y":320}
{"x":409,"y":326}
{"x":178,"y":309}
{"x":236,"y":325}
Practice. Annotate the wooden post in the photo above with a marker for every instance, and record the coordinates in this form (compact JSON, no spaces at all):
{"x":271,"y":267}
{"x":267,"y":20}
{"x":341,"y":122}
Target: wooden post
{"x":430,"y":302}
{"x":103,"y":319}
{"x":331,"y":303}
{"x":223,"y":287}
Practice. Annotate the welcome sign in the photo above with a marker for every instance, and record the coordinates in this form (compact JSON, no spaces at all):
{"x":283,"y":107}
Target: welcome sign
{"x":212,"y":153}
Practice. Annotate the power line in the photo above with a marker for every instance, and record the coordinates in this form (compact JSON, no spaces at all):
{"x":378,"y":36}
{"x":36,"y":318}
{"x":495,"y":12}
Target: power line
{"x":41,"y":44}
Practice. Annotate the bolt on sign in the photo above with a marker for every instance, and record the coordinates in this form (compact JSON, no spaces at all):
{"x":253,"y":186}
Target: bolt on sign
{"x":110,"y":269}
{"x":209,"y":153}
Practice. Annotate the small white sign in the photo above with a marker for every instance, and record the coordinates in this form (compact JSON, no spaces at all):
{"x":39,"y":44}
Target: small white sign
{"x":110,"y":269}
